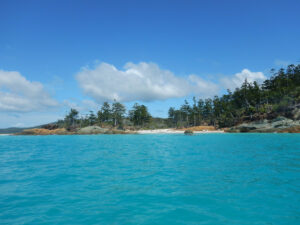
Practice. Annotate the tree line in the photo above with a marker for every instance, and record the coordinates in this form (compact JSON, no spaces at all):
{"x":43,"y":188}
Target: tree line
{"x":113,"y":115}
{"x":251,"y":101}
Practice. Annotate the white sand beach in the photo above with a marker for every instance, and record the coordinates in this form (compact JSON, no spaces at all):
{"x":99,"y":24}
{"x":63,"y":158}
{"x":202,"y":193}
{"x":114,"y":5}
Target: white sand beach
{"x":174,"y":131}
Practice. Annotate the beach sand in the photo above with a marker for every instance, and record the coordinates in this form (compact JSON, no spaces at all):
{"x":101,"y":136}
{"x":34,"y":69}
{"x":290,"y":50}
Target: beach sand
{"x":175,"y":131}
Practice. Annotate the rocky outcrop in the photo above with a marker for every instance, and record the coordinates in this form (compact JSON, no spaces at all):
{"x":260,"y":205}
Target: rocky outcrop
{"x":42,"y":131}
{"x":92,"y":130}
{"x":280,"y":124}
{"x":200,"y":128}
{"x":63,"y":131}
{"x":101,"y":130}
{"x":296,"y":114}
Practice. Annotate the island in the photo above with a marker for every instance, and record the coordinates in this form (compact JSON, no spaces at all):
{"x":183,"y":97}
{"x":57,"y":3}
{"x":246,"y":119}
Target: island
{"x":270,"y":107}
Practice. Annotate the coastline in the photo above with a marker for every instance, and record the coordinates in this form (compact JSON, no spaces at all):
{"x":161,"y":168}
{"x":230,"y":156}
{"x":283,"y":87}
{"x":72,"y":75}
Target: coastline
{"x":38,"y":132}
{"x":280,"y":125}
{"x":174,"y":131}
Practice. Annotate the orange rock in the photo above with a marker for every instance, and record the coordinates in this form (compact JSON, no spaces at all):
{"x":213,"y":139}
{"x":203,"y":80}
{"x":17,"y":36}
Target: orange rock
{"x":42,"y":131}
{"x":201,"y":128}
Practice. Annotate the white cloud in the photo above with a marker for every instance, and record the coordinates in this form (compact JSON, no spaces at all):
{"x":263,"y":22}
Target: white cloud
{"x":139,"y":82}
{"x":17,"y":94}
{"x":203,"y":87}
{"x":237,"y":79}
{"x":84,"y":105}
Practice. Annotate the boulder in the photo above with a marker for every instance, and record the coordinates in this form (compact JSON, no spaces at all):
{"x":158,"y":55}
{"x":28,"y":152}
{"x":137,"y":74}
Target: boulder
{"x":92,"y":130}
{"x":188,"y":132}
{"x":276,"y":125}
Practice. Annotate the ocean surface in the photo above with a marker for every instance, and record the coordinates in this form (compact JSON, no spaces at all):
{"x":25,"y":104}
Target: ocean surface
{"x":150,"y":179}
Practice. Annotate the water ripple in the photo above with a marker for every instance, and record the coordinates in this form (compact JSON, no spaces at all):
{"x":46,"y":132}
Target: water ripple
{"x":150,"y":179}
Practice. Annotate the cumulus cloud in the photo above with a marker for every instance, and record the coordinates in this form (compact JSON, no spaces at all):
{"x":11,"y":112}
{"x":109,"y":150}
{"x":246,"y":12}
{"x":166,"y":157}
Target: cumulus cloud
{"x":17,"y":94}
{"x":142,"y":81}
{"x":237,"y":79}
{"x":202,"y":87}
{"x":84,"y":105}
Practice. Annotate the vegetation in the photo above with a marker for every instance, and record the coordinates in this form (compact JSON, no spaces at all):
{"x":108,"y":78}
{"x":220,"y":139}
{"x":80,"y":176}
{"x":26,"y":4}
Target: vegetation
{"x":139,"y":115}
{"x":276,"y":96}
{"x":110,"y":115}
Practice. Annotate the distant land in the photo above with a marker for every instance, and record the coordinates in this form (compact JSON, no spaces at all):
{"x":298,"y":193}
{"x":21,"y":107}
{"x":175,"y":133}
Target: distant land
{"x":273,"y":106}
{"x":11,"y":130}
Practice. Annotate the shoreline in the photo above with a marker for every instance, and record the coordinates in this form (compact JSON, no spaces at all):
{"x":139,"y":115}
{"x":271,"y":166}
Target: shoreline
{"x":174,"y":131}
{"x":153,"y":131}
{"x":98,"y":130}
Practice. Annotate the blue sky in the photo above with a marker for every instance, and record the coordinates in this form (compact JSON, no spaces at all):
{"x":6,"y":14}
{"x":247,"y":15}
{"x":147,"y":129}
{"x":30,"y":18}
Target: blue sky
{"x":72,"y":53}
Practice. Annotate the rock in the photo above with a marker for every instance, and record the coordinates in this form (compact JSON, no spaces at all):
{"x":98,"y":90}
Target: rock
{"x":296,"y":114}
{"x":92,"y":130}
{"x":295,"y":129}
{"x":188,"y":132}
{"x":42,"y":131}
{"x":276,"y":125}
{"x":246,"y":129}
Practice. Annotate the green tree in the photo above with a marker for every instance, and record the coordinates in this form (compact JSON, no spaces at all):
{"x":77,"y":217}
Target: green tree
{"x":200,"y":111}
{"x":185,"y":112}
{"x":278,"y":95}
{"x":104,"y":114}
{"x":71,"y":118}
{"x":92,"y":118}
{"x":208,"y":111}
{"x":171,"y":116}
{"x":118,"y":111}
{"x":139,"y":115}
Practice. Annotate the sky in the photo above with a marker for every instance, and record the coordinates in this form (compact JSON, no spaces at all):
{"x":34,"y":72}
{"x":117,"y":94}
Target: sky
{"x":55,"y":55}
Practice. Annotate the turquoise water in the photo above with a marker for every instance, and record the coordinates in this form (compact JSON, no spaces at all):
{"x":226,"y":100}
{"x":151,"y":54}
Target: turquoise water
{"x":150,"y":179}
